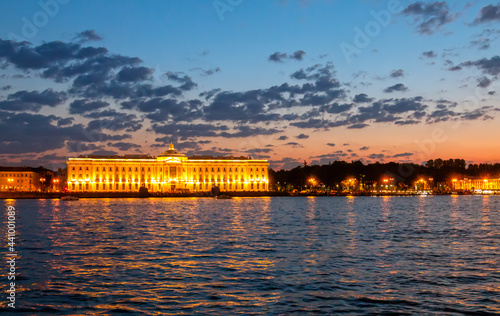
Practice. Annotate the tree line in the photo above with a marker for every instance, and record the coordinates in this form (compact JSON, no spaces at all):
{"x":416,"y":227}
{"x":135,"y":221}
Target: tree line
{"x":334,"y":173}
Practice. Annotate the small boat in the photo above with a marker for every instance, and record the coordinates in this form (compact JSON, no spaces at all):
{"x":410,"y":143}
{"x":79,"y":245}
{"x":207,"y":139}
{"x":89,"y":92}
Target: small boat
{"x":69,"y":198}
{"x":223,"y":197}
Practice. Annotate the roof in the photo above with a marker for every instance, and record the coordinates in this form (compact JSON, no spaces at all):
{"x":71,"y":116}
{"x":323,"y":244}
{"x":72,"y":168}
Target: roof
{"x":171,"y":152}
{"x":23,"y":169}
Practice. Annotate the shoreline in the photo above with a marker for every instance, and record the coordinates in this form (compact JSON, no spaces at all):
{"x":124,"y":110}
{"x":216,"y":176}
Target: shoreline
{"x":136,"y":195}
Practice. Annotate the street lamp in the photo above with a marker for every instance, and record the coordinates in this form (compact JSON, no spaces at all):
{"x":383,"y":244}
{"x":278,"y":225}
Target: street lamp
{"x":42,"y":181}
{"x":55,"y":184}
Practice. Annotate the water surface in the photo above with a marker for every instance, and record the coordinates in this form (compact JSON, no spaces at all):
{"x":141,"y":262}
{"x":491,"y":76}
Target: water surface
{"x":320,"y":255}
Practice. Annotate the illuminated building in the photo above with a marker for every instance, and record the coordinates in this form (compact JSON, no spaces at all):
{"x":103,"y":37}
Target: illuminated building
{"x":19,"y":179}
{"x":169,"y":172}
{"x":476,"y":184}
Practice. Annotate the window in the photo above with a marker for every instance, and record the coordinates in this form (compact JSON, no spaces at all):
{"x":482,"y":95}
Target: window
{"x":142,"y":169}
{"x":251,"y":169}
{"x":87,"y":168}
{"x":129,"y":169}
{"x":149,"y":169}
{"x":110,"y":169}
{"x":206,"y":170}
{"x":116,"y":169}
{"x":73,"y":168}
{"x":218,"y":169}
{"x":123,"y":168}
{"x":212,"y":169}
{"x":80,"y":168}
{"x":97,"y":169}
{"x":230,"y":169}
{"x":135,"y":168}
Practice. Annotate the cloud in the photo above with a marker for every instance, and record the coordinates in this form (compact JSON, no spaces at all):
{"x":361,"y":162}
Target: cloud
{"x":298,"y":55}
{"x":330,"y":144}
{"x":484,"y":82}
{"x":87,"y":36}
{"x":376,"y":156}
{"x":362,"y":98}
{"x":302,"y":136}
{"x":126,"y":123}
{"x":364,"y":148}
{"x":36,"y":133}
{"x":185,"y":81}
{"x":104,"y":153}
{"x":429,"y":54}
{"x":279,"y":57}
{"x":32,"y":100}
{"x":293,"y":144}
{"x":336,"y":108}
{"x":134,"y":74}
{"x":403,"y":155}
{"x":397,"y":87}
{"x":259,"y":150}
{"x":487,"y":66}
{"x":490,"y":13}
{"x":285,"y":163}
{"x":206,"y":72}
{"x":357,"y":126}
{"x":399,"y":73}
{"x":185,"y":131}
{"x":161,"y":110}
{"x":429,"y":17}
{"x":283,"y":137}
{"x":73,"y":146}
{"x":481,"y":43}
{"x":82,"y":106}
{"x":123,"y":146}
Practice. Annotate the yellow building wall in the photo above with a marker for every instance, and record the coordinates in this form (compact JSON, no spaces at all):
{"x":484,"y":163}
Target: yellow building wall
{"x":19,"y":181}
{"x":476,"y":184}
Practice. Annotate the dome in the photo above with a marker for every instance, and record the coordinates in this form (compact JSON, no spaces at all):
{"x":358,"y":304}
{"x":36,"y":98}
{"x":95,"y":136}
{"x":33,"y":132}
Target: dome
{"x":171,"y":152}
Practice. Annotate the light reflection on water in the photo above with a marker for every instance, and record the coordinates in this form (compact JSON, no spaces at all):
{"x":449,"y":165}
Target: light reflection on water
{"x":356,"y":255}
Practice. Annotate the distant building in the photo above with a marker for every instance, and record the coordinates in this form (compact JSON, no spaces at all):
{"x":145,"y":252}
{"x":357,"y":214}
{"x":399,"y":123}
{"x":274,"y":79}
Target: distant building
{"x":476,"y":184}
{"x":169,"y":172}
{"x":20,"y":179}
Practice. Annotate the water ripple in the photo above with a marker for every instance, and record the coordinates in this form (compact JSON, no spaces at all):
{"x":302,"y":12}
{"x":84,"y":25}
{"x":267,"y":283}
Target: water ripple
{"x":276,"y":256}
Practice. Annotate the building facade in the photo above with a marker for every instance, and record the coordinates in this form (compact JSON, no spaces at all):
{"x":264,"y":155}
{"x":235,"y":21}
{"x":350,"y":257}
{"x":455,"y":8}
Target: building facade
{"x":476,"y":184}
{"x":169,"y":172}
{"x":21,"y":179}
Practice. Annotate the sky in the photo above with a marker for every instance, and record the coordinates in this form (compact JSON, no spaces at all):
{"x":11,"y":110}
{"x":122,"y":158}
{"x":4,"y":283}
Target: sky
{"x":282,"y":80}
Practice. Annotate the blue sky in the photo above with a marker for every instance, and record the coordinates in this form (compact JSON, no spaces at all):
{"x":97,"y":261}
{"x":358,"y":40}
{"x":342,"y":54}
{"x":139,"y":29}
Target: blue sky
{"x":409,"y":81}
